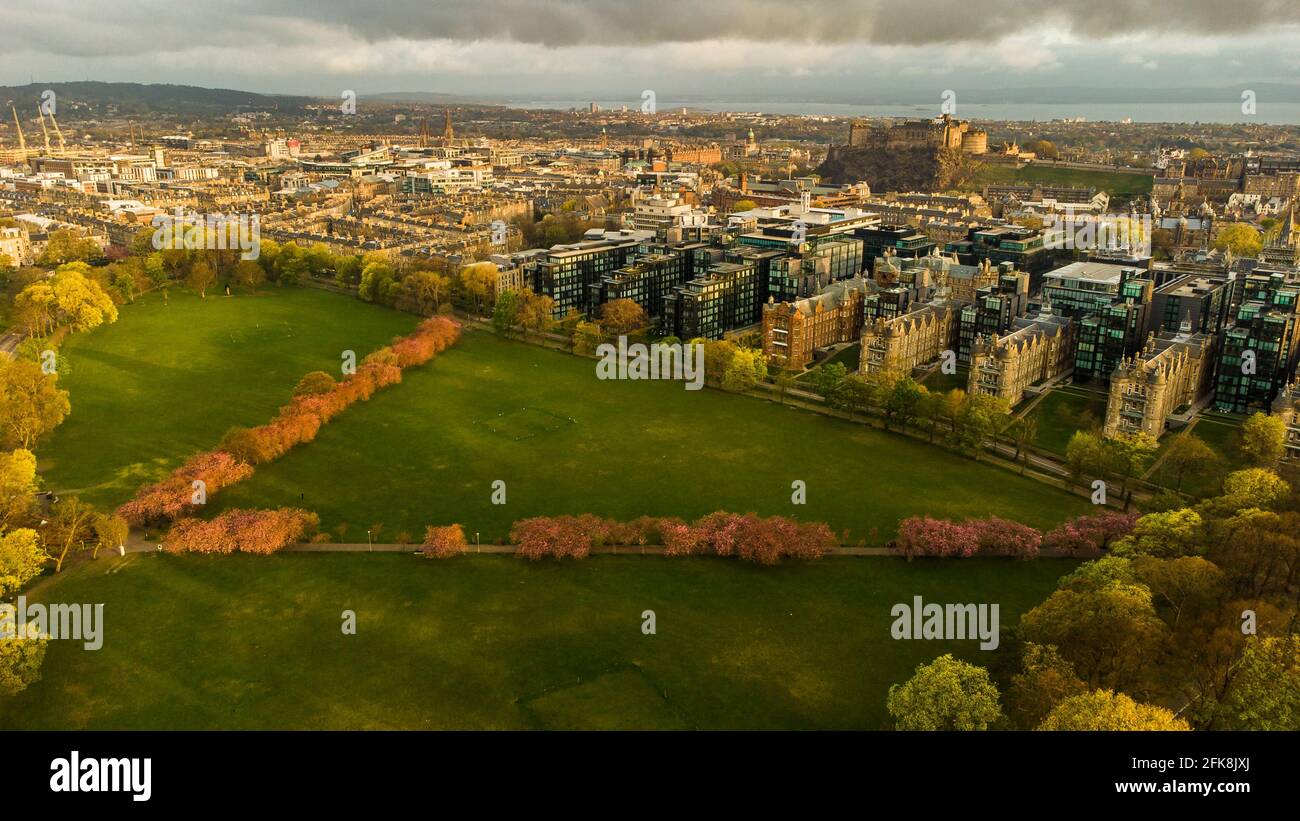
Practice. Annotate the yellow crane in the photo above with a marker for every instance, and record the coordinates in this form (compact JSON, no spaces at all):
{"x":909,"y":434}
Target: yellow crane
{"x":22,"y":141}
{"x":44,"y":131}
{"x":58,"y":132}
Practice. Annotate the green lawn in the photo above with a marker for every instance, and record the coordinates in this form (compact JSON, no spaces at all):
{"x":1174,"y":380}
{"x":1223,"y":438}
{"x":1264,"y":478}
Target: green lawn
{"x":429,"y":450}
{"x":939,"y":382}
{"x":1114,"y":183}
{"x":847,"y":356}
{"x":1065,"y":411}
{"x":241,"y":642}
{"x":169,"y":378}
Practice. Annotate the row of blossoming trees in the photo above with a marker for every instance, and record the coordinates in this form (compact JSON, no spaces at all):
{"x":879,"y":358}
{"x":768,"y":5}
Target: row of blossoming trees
{"x":318,"y":399}
{"x":993,"y":536}
{"x":749,"y":537}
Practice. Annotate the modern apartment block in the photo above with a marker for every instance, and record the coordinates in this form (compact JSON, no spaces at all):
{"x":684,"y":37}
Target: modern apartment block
{"x":1200,"y":299}
{"x":793,"y":331}
{"x":647,"y":282}
{"x":1110,"y":304}
{"x":566,"y":273}
{"x":722,"y":300}
{"x":1168,"y":376}
{"x":1258,"y":354}
{"x":993,"y":310}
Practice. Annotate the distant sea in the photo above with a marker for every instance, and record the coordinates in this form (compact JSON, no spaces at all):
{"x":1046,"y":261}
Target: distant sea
{"x":1225,"y":112}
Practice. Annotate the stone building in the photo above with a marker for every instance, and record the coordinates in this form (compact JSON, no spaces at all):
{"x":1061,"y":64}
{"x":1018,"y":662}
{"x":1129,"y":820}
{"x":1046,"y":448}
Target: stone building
{"x":908,"y":341}
{"x":793,"y":331}
{"x":1169,"y":375}
{"x":1037,"y":348}
{"x":1287,"y":407}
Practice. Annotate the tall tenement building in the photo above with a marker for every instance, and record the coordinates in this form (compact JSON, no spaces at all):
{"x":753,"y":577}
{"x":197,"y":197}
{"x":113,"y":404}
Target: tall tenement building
{"x":907,"y":341}
{"x":1167,"y":377}
{"x":1037,"y":349}
{"x":793,"y":331}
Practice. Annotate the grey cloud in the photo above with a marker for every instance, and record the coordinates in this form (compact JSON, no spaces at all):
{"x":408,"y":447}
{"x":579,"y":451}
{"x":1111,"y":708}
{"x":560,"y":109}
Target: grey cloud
{"x":92,"y":27}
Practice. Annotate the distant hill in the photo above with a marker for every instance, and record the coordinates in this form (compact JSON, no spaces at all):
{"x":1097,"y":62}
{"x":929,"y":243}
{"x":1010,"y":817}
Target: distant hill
{"x":140,"y":98}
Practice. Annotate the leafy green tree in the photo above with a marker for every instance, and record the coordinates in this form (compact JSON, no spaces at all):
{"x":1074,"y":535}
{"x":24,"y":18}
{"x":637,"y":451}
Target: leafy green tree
{"x":1110,"y":635}
{"x":17,"y":487}
{"x":314,"y":383}
{"x":21,"y":559}
{"x":1129,"y":455}
{"x":20,"y":661}
{"x":586,"y":338}
{"x":852,"y":395}
{"x":785,"y":380}
{"x":903,"y":401}
{"x":201,"y":277}
{"x":1044,"y":681}
{"x":506,"y":313}
{"x":945,"y":694}
{"x":1180,"y":583}
{"x":1108,"y":710}
{"x":1167,"y":534}
{"x":1252,"y":487}
{"x":1188,"y":454}
{"x":978,"y":418}
{"x":31,"y":403}
{"x":1241,"y":239}
{"x":1265,"y":692}
{"x":827,"y":381}
{"x":1263,"y":440}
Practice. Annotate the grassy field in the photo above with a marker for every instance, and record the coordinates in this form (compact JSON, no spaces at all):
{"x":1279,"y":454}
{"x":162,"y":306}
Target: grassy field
{"x":429,"y":450}
{"x":939,"y":382}
{"x":1064,"y":411}
{"x":495,"y":642}
{"x":1115,"y":183}
{"x":169,"y":378}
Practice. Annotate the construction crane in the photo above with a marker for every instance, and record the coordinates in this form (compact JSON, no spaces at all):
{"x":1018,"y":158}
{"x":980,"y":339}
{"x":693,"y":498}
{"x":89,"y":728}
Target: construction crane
{"x":22,"y":141}
{"x":58,"y":132}
{"x":44,"y":131}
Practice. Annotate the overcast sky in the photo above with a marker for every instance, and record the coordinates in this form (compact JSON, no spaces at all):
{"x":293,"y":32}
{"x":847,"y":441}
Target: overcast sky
{"x":615,"y":48}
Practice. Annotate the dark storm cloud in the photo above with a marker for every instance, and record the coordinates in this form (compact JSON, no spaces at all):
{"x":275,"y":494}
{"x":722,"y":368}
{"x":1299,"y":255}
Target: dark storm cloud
{"x":93,"y":27}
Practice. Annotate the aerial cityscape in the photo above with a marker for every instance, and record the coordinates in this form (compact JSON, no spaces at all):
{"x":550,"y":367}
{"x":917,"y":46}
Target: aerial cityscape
{"x":619,"y":369}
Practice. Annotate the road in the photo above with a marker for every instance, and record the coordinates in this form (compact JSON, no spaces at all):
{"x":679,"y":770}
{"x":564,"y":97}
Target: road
{"x":8,"y":342}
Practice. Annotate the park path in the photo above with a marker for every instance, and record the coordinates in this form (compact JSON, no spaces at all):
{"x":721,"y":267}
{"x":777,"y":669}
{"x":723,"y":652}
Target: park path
{"x":9,"y":343}
{"x":136,"y":543}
